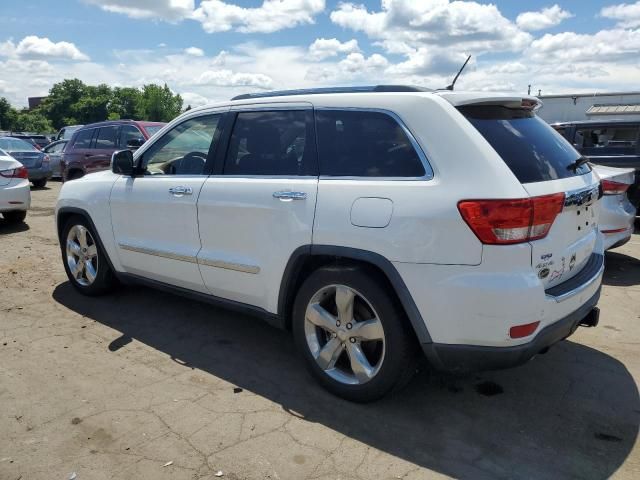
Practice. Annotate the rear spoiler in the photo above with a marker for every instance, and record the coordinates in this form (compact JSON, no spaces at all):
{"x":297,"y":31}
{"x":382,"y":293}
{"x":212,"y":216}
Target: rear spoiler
{"x":467,"y":99}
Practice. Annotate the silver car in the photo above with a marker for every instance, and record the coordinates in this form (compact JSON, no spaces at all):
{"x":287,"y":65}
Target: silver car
{"x":617,"y":214}
{"x":55,"y":151}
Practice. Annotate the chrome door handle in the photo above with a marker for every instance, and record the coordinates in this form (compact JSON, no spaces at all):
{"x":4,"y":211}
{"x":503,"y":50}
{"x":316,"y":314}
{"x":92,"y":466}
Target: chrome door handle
{"x":180,"y":191}
{"x":287,"y":196}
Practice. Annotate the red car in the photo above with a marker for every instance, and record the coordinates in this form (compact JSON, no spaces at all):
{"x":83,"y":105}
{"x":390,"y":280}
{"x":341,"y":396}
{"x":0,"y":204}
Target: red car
{"x":91,"y":146}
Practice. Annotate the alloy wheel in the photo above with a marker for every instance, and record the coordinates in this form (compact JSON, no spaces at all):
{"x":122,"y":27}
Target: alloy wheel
{"x":344,"y":334}
{"x":82,"y":255}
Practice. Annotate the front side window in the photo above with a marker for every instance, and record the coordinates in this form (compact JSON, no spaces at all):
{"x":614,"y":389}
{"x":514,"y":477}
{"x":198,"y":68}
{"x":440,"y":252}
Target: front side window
{"x":365,"y":144}
{"x":129,"y":133}
{"x":83,"y":139}
{"x":183,"y":150}
{"x":271,"y":143}
{"x":623,"y":137}
{"x":107,"y":137}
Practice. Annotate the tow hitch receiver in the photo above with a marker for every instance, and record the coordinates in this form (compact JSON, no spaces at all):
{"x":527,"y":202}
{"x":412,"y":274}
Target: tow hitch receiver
{"x":592,"y":318}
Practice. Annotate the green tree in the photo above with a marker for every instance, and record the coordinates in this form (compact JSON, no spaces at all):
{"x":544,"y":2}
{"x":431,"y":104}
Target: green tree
{"x":58,"y":106}
{"x":32,"y":121}
{"x":7,"y":114}
{"x":159,"y":104}
{"x":125,"y":103}
{"x":93,"y":105}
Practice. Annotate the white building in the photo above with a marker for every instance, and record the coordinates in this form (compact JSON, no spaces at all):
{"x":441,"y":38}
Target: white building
{"x":590,"y":106}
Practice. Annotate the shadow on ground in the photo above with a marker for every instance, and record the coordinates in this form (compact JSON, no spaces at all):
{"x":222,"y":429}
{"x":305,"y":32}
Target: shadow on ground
{"x":8,"y":228}
{"x":573,"y":412}
{"x":621,"y":270}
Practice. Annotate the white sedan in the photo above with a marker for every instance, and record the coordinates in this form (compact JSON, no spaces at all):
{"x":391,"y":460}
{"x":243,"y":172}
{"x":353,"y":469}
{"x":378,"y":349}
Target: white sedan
{"x":15,"y":192}
{"x":617,"y":214}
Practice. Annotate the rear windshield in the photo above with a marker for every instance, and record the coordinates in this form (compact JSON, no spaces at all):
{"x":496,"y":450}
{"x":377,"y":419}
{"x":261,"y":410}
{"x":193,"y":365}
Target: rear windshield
{"x":533,"y":150}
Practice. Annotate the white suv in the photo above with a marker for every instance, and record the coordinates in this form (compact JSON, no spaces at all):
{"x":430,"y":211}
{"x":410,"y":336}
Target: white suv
{"x":373,"y":222}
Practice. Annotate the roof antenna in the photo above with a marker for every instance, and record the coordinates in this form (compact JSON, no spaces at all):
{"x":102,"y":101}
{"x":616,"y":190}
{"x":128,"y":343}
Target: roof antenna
{"x":450,"y":87}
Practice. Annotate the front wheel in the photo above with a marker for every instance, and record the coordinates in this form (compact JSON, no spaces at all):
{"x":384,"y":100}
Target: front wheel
{"x":84,"y":260}
{"x":352,"y":333}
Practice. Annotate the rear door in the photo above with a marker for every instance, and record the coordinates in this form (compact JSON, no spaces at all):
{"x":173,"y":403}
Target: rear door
{"x":545,"y":164}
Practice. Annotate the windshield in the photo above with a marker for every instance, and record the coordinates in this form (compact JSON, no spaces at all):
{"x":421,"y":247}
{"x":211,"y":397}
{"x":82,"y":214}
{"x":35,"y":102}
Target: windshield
{"x":16,"y":145}
{"x":533,"y":150}
{"x":153,"y":129}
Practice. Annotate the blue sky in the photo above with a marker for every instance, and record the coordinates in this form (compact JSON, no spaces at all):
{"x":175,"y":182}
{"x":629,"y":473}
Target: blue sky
{"x":209,"y":50}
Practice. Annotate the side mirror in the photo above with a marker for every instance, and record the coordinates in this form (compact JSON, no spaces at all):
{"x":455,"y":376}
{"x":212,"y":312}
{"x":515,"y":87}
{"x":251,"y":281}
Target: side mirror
{"x":122,"y":162}
{"x":135,"y":143}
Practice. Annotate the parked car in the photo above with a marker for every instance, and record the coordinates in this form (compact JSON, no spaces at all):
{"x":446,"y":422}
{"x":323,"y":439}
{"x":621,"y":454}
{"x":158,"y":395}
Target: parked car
{"x":369,"y":221}
{"x":55,"y":151}
{"x":36,"y":162}
{"x":612,"y":143}
{"x":91,"y":146}
{"x":15,"y":194}
{"x":38,"y":141}
{"x":67,"y":132}
{"x":617,"y":215}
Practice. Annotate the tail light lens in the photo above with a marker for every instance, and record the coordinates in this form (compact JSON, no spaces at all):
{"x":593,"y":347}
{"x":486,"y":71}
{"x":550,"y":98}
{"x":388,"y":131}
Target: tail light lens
{"x":20,"y":172}
{"x":610,"y":187}
{"x":504,"y":222}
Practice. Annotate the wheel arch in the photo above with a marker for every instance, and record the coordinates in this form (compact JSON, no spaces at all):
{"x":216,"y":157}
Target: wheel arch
{"x":308,"y":258}
{"x":65,"y":213}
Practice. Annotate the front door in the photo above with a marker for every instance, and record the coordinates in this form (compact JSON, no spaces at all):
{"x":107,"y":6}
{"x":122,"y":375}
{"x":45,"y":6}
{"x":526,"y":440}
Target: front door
{"x":154,"y":216}
{"x":260,"y":208}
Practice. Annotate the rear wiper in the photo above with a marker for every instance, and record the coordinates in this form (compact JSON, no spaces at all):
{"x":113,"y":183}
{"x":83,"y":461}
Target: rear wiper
{"x":577,"y":164}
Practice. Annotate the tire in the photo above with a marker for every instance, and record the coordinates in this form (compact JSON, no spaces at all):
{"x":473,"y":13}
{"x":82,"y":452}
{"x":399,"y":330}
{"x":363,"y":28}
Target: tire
{"x":75,"y":174}
{"x":15,"y":216}
{"x":392,"y":359}
{"x":40,"y":183}
{"x":93,"y":274}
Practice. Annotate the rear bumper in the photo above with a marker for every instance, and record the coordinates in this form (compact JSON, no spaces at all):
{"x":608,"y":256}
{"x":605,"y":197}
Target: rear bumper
{"x":40,"y":173}
{"x":15,"y":196}
{"x":470,"y":358}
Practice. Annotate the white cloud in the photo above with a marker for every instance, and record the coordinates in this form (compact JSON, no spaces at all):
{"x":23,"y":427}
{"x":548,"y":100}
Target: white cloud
{"x":194,"y":51}
{"x":169,"y":10}
{"x":227,"y":78}
{"x":193,"y":99}
{"x":323,"y":48}
{"x":627,"y":14}
{"x":33,"y":46}
{"x":545,"y":18}
{"x":271,"y":16}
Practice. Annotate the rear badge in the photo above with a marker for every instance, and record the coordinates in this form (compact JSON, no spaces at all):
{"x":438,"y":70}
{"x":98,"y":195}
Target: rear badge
{"x":544,"y":273}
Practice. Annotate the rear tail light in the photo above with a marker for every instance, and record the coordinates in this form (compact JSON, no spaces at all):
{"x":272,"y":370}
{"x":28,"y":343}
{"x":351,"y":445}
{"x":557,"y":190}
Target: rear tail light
{"x":20,"y":172}
{"x":504,"y":222}
{"x":609,"y":187}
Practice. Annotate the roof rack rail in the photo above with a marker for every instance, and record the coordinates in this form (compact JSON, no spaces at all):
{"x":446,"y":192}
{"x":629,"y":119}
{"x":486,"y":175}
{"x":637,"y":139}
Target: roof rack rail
{"x":316,"y":91}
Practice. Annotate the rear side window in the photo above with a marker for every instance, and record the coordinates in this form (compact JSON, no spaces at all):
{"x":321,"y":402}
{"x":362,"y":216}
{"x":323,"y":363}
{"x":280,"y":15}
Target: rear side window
{"x":271,"y":143}
{"x":83,"y":139}
{"x":533,"y":150}
{"x":107,"y":137}
{"x":619,"y":137}
{"x":128,"y":133}
{"x":365,"y":144}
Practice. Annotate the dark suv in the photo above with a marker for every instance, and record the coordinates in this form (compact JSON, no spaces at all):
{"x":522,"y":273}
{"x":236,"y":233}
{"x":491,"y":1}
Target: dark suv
{"x":614,"y":143}
{"x":91,"y":146}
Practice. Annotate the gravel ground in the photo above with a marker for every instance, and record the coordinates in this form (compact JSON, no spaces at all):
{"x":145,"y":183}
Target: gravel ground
{"x":145,"y":385}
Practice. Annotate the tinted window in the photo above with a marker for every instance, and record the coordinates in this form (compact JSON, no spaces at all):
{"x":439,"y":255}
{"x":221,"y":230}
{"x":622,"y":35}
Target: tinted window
{"x":182,"y":150}
{"x":270,"y":143}
{"x":533,"y":150}
{"x":365,"y":144}
{"x":128,"y":133}
{"x":83,"y":139}
{"x":107,"y":137}
{"x":618,"y":137}
{"x":153,"y":129}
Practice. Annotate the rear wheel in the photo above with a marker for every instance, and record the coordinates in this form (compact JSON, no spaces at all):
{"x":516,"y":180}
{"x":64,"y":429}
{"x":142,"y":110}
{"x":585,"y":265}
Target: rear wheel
{"x":40,"y":183}
{"x":15,"y":216}
{"x":84,"y":261}
{"x":352,"y":333}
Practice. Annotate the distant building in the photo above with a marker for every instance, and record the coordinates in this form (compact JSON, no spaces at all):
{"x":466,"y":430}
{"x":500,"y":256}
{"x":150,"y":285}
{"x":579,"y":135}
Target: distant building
{"x":590,"y":106}
{"x":35,"y":101}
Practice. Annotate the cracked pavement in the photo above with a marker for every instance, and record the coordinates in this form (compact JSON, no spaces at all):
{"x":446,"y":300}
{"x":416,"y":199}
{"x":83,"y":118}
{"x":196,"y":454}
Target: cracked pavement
{"x":119,"y":386}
